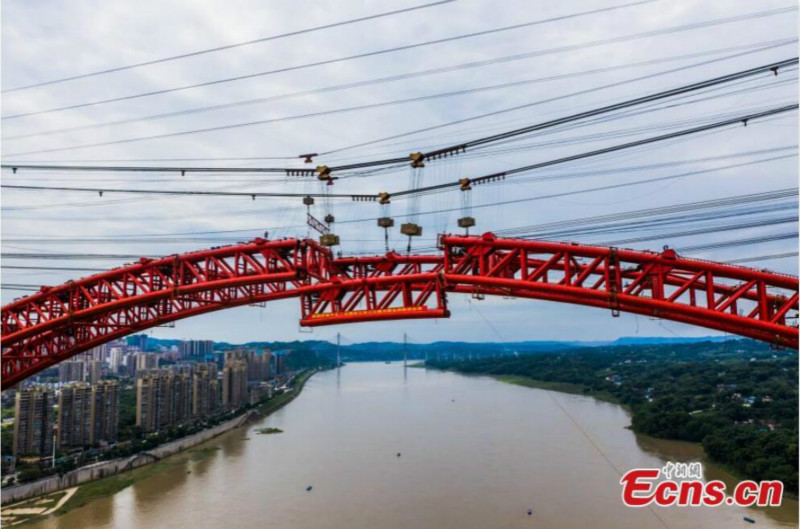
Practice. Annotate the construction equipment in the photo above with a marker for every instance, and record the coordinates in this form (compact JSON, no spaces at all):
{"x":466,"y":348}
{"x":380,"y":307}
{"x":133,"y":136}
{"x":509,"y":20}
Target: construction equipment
{"x":466,"y":222}
{"x":329,"y":239}
{"x":411,"y":229}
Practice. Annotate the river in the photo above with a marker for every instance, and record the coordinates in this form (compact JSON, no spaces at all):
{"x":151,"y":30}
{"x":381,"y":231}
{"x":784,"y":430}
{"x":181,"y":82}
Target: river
{"x":475,"y":453}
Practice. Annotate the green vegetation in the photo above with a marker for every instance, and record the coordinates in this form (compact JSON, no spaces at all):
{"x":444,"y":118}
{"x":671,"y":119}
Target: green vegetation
{"x":113,"y":484}
{"x":7,"y":439}
{"x":197,"y":454}
{"x":281,"y":399}
{"x":738,"y":398}
{"x":127,"y":412}
{"x":269,"y":430}
{"x":563,"y":387}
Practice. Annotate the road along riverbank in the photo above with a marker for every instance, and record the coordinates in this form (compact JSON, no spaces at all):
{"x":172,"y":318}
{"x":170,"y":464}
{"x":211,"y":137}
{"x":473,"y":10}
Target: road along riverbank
{"x":107,"y":477}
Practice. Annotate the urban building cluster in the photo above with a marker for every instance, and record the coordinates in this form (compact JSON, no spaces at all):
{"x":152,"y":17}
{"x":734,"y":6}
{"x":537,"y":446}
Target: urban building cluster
{"x":188,"y":391}
{"x":78,"y":404}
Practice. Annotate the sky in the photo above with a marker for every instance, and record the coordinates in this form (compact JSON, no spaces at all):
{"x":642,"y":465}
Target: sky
{"x":569,"y":66}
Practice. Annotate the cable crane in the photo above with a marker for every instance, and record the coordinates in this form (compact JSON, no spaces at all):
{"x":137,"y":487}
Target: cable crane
{"x":467,"y":221}
{"x":385,"y":221}
{"x":411,"y":228}
{"x":326,"y":181}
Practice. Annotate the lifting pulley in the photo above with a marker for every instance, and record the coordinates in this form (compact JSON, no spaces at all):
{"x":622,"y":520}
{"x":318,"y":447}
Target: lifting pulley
{"x":324,"y":173}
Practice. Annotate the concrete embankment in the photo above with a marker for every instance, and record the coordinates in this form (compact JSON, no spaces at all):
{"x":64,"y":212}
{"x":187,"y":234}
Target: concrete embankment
{"x":104,"y":469}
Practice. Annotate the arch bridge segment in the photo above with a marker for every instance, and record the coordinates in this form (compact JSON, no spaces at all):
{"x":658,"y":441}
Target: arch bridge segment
{"x":59,"y":322}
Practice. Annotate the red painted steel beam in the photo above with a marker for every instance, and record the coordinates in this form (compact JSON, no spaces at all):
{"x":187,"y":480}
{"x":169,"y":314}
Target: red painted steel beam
{"x":59,"y":322}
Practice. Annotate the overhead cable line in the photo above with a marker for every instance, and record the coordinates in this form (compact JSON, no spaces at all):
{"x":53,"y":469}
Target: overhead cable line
{"x":756,"y":47}
{"x":358,"y":56}
{"x":658,"y":211}
{"x":771,"y":67}
{"x":703,"y":128}
{"x":446,"y":151}
{"x":704,"y":231}
{"x":762,"y":257}
{"x":229,"y":46}
{"x":636,"y":220}
{"x":741,"y":242}
{"x":438,"y":187}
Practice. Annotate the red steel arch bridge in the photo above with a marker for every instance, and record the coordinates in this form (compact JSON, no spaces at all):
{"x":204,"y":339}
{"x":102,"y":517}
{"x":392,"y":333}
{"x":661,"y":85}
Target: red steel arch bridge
{"x":58,"y":322}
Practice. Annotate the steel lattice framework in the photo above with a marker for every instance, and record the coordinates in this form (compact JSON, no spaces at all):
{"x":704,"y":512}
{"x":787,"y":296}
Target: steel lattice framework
{"x":58,"y":322}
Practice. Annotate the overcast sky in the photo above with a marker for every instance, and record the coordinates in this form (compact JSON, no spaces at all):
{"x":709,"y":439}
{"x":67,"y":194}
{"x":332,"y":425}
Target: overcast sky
{"x":42,"y":41}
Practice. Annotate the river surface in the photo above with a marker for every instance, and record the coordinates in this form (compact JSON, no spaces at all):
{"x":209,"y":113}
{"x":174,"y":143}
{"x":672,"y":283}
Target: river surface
{"x":476,"y":453}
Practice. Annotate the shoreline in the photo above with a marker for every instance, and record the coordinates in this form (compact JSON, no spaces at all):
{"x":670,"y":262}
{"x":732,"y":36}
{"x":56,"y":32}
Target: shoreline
{"x":574,"y":389}
{"x":110,"y":484}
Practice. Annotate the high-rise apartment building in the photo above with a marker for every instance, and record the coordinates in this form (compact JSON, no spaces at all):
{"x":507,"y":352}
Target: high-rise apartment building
{"x":280,"y":362}
{"x":153,"y":400}
{"x":205,"y":390}
{"x":258,"y":365}
{"x":98,"y":353}
{"x":33,"y":421}
{"x":104,"y":412}
{"x":181,"y":398}
{"x":215,"y":396}
{"x":234,"y":384}
{"x":94,"y":371}
{"x":116,"y":358}
{"x":196,"y":348}
{"x":74,"y":415}
{"x":146,"y":361}
{"x":71,"y":371}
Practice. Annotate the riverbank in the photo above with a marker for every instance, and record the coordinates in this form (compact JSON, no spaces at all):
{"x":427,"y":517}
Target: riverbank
{"x":722,"y":471}
{"x":110,"y":477}
{"x":561,"y":387}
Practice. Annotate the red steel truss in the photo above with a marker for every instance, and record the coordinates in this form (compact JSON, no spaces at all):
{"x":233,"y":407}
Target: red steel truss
{"x":58,"y":322}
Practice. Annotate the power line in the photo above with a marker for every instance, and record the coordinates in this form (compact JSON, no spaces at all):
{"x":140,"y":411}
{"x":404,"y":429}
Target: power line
{"x":228,"y":46}
{"x":739,"y":119}
{"x":252,"y":194}
{"x":757,"y":47}
{"x":709,"y":83}
{"x":450,"y":185}
{"x":349,"y":58}
{"x":587,"y":226}
{"x":594,"y":172}
{"x":705,"y":231}
{"x":741,"y":242}
{"x":53,"y":268}
{"x":762,"y":257}
{"x":752,"y":198}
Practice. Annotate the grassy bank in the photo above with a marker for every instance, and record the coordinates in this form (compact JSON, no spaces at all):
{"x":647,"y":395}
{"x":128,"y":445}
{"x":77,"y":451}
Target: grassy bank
{"x":108,"y":486}
{"x":561,"y":387}
{"x":278,"y":402}
{"x":111,"y":485}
